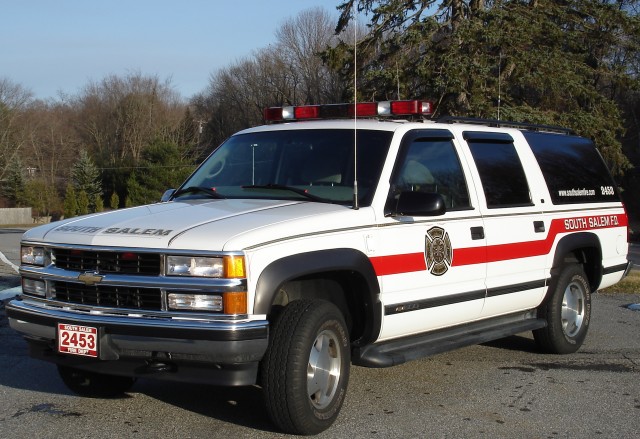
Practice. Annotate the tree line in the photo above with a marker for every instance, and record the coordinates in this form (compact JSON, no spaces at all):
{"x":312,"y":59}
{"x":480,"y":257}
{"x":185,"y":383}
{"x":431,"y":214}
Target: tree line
{"x":123,"y":140}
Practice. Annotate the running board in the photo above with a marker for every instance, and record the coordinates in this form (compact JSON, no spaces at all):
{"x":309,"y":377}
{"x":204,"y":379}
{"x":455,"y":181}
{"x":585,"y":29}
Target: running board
{"x":405,"y":349}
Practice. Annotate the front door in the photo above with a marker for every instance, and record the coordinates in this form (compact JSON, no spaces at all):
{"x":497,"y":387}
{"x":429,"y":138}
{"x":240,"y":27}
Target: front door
{"x":426,"y":282}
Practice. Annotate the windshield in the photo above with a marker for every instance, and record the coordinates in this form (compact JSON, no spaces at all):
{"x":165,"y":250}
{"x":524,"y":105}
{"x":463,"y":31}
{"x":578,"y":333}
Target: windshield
{"x":315,"y":165}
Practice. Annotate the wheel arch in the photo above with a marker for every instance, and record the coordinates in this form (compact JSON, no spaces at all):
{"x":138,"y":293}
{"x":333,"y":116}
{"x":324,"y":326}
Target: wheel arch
{"x":584,"y":248}
{"x":348,"y":267}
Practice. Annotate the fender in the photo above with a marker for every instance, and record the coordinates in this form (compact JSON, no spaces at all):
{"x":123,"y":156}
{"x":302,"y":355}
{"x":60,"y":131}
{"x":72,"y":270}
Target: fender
{"x":335,"y":260}
{"x":576,"y":241}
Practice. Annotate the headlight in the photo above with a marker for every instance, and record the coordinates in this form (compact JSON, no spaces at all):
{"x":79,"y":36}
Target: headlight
{"x":32,"y":255}
{"x":194,"y":266}
{"x":221,"y":267}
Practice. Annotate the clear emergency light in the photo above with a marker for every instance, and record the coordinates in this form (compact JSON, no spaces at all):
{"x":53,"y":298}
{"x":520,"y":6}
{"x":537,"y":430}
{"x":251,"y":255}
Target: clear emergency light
{"x":361,"y":109}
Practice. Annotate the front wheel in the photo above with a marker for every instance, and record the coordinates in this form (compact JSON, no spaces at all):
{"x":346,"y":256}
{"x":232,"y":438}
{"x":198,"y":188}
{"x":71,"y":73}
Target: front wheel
{"x":93,"y":384}
{"x":567,"y":310}
{"x":305,"y":371}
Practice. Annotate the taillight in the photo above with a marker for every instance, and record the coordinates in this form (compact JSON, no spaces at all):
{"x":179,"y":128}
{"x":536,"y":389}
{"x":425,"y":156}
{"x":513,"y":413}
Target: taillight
{"x":626,"y":216}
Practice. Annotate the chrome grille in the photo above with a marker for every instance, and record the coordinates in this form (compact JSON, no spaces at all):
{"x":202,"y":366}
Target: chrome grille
{"x":147,"y":264}
{"x":109,"y":296}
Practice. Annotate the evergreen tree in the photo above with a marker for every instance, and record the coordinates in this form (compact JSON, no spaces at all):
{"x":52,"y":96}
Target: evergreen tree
{"x":14,"y":184}
{"x":83,"y":203}
{"x":98,"y":203}
{"x":70,"y":202}
{"x":553,"y":62}
{"x":35,"y":196}
{"x":162,"y":167}
{"x":136,"y":193}
{"x":86,"y":178}
{"x":114,"y":201}
{"x":41,"y":197}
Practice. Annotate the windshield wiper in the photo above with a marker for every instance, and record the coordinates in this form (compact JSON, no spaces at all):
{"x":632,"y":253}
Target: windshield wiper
{"x":293,"y":189}
{"x":198,"y":189}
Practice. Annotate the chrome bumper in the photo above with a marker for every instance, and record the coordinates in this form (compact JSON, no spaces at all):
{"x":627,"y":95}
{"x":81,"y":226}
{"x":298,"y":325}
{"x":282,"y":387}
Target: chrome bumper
{"x":225,"y":352}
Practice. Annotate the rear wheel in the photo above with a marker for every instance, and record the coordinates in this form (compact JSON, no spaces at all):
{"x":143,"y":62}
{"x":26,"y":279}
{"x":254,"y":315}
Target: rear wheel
{"x":567,"y":311}
{"x":305,"y":371}
{"x":94,"y":385}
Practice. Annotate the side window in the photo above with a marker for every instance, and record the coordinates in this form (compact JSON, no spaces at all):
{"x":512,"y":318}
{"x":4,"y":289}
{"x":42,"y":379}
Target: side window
{"x":501,"y":173}
{"x":429,"y":163}
{"x":572,"y":168}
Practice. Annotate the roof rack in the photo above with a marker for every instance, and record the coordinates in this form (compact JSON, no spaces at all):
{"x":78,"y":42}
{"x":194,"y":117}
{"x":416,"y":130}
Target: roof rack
{"x":507,"y":124}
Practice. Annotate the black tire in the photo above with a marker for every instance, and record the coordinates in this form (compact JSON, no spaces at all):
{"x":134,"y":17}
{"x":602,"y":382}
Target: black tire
{"x":567,"y":310}
{"x":94,"y":385}
{"x":300,"y":397}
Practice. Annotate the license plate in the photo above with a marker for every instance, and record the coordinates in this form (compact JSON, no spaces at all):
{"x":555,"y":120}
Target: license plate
{"x":78,"y":340}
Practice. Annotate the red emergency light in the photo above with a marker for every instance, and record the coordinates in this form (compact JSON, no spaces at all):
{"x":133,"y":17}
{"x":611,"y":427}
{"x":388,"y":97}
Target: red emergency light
{"x":337,"y":111}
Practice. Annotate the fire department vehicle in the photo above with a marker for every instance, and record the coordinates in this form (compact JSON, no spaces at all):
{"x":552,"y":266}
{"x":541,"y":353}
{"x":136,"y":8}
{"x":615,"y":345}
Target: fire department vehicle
{"x":301,"y":247}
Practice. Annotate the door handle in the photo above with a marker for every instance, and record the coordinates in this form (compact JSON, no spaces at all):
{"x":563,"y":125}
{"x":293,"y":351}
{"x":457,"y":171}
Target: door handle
{"x":477,"y":232}
{"x":538,"y":226}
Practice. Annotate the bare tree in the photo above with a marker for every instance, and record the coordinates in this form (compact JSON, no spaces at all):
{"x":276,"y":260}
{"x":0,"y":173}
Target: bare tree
{"x":300,"y":41}
{"x":50,"y":147}
{"x":13,"y":100}
{"x":119,"y":116}
{"x":290,"y":72}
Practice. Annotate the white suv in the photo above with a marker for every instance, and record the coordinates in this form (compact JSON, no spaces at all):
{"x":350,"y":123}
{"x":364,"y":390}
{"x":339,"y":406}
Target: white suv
{"x":300,"y":247}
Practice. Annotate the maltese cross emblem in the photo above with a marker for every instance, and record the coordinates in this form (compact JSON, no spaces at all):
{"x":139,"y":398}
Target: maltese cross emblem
{"x":438,"y":251}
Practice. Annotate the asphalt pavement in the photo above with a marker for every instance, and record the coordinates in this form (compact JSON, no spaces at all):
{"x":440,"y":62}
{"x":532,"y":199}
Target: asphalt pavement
{"x":503,"y":389}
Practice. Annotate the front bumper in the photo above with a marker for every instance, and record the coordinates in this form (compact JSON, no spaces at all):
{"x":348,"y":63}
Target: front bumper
{"x":221,"y":352}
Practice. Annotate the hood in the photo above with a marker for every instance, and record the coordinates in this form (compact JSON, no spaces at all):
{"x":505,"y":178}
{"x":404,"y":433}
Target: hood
{"x":194,"y":225}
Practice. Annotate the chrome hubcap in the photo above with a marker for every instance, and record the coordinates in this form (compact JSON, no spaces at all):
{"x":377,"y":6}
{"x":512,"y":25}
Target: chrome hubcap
{"x":573,"y":304}
{"x":323,"y":370}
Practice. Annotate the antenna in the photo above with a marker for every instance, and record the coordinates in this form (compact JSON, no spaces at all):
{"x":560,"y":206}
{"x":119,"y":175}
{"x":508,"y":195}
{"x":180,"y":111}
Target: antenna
{"x":499,"y":82}
{"x":398,"y":79}
{"x":355,"y":113}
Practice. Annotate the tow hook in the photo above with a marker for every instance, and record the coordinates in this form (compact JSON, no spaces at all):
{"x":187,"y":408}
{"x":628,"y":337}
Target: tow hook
{"x":157,"y":364}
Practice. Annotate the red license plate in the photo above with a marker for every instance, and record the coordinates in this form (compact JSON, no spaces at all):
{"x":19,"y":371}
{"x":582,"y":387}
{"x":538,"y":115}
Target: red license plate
{"x":78,"y":340}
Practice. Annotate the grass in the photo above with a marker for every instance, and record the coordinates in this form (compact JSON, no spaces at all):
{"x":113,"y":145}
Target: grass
{"x":628,"y":285}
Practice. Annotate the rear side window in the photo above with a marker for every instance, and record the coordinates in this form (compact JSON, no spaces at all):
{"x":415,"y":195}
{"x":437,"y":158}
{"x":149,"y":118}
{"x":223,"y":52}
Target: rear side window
{"x":573,"y":169}
{"x":501,"y":173}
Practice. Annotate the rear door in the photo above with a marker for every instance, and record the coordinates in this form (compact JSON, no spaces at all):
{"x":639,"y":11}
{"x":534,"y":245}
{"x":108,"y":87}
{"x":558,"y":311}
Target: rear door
{"x":512,"y":203}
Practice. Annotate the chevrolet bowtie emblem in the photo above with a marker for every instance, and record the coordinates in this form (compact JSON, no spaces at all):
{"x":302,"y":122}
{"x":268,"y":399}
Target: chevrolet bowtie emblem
{"x":90,"y":278}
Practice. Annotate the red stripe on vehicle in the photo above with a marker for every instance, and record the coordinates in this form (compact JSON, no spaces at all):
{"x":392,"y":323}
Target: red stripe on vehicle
{"x":407,"y":263}
{"x":396,"y":264}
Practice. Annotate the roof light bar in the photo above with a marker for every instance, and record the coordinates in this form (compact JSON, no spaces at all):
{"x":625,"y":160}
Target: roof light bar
{"x":361,"y":109}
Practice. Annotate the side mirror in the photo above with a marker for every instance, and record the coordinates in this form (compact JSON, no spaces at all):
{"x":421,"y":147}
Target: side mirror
{"x":416,"y":204}
{"x":167,"y":195}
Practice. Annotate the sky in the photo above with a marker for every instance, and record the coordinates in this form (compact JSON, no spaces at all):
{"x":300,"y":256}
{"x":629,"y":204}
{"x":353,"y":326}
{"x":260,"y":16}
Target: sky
{"x":58,"y":47}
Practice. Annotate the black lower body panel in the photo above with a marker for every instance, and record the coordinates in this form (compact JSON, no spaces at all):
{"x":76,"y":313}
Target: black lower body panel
{"x":398,"y":351}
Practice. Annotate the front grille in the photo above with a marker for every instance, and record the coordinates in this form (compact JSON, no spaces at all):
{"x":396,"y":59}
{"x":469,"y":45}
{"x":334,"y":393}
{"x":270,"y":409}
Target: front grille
{"x":109,"y":296}
{"x":147,"y":264}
